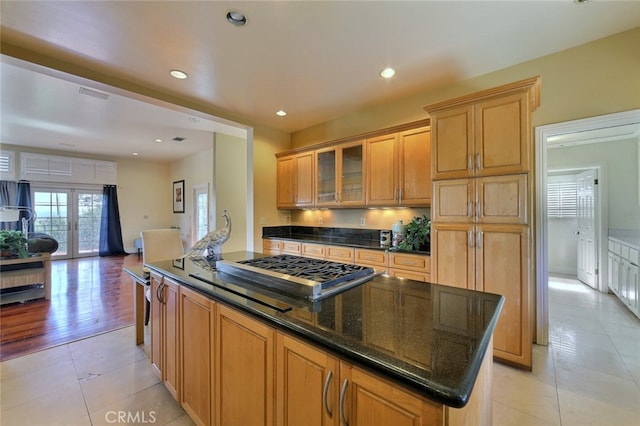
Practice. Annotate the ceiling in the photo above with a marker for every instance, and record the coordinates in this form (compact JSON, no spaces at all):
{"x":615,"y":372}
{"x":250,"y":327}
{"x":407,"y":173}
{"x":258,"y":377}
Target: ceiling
{"x":317,"y":60}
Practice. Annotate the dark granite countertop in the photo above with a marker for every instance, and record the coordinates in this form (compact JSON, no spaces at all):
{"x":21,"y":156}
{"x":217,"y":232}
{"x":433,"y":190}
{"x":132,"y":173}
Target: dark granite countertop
{"x":349,"y":237}
{"x":429,"y":338}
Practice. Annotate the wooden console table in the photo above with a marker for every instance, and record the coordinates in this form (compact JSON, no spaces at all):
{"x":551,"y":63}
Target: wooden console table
{"x":15,"y":273}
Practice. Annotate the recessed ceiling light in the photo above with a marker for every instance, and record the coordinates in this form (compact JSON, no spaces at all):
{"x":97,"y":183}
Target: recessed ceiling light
{"x":194,"y":119}
{"x":387,"y":73}
{"x":134,"y":153}
{"x":237,"y":18}
{"x":158,"y":140}
{"x":281,"y":113}
{"x":181,"y":75}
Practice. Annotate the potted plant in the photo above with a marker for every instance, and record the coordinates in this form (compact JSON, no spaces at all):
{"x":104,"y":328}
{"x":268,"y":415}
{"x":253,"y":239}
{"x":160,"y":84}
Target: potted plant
{"x":418,"y":235}
{"x":13,"y":244}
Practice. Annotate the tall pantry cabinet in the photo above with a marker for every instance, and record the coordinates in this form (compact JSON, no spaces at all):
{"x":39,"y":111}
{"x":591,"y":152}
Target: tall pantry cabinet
{"x":481,"y":229}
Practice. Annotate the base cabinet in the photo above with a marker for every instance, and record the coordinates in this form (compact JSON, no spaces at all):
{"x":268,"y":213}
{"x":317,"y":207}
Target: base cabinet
{"x":164,"y":331}
{"x":245,"y":367}
{"x":197,"y":321}
{"x":232,"y":369}
{"x":623,"y":274}
{"x":367,"y":400}
{"x":307,"y":384}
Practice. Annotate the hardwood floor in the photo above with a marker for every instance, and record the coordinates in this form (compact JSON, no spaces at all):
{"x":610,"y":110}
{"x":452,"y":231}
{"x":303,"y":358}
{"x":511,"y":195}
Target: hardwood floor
{"x":89,"y":296}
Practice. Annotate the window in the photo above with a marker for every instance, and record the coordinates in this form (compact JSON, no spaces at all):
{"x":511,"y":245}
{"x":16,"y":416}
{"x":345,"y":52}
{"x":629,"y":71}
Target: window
{"x":562,"y":198}
{"x":201,"y":212}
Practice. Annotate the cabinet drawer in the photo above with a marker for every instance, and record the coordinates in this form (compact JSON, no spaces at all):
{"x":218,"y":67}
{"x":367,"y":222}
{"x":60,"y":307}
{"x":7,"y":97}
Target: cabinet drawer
{"x":371,"y":257}
{"x":340,"y":254}
{"x":410,"y":275}
{"x":413,"y":262}
{"x":272,"y":245}
{"x":291,"y":247}
{"x":316,"y":251}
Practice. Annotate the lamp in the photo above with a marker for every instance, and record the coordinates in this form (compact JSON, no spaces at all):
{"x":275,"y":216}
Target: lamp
{"x":12,"y":214}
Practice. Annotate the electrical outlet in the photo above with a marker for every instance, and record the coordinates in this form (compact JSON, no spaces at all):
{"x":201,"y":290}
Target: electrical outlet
{"x":362,"y":221}
{"x":288,"y":219}
{"x":263,"y":221}
{"x":320,"y":221}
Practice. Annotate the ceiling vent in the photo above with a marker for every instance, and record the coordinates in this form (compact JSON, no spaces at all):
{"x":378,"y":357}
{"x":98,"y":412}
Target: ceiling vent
{"x":94,"y":93}
{"x":178,"y":139}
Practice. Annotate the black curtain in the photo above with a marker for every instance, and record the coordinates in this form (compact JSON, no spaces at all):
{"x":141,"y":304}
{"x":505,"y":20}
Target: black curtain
{"x":110,"y":230}
{"x":16,"y":194}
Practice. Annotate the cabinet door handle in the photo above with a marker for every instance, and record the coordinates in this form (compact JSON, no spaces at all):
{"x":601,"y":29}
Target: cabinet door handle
{"x":343,"y":394}
{"x":158,"y":292}
{"x":479,"y":239}
{"x":469,"y":162}
{"x":469,"y":208}
{"x":478,"y":164}
{"x":470,"y":238}
{"x":325,"y":390}
{"x":400,"y":196}
{"x":478,"y":209}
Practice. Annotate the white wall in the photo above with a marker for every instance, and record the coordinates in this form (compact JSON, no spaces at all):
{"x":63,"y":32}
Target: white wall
{"x":621,"y":161}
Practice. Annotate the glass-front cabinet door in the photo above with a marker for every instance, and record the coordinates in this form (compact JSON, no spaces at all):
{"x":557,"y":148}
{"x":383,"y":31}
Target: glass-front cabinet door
{"x":340,"y":179}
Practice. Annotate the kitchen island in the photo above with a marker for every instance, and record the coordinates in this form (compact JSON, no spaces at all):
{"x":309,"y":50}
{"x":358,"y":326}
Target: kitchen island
{"x":234,"y":352}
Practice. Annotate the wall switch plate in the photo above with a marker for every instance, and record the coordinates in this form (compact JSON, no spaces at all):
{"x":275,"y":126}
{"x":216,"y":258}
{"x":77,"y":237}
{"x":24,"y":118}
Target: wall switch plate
{"x":320,"y":221}
{"x":288,"y":219}
{"x":362,"y":221}
{"x":263,"y":221}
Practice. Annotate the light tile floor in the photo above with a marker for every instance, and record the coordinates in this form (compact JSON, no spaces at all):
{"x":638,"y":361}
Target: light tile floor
{"x":588,"y":375}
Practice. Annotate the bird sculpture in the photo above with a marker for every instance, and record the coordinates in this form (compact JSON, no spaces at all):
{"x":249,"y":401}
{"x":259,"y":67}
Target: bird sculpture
{"x":209,"y":249}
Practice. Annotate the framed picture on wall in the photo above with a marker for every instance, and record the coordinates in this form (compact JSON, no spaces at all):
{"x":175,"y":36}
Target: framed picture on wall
{"x":178,"y":196}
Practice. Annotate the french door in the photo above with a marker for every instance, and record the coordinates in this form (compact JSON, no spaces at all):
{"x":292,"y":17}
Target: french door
{"x":72,"y":217}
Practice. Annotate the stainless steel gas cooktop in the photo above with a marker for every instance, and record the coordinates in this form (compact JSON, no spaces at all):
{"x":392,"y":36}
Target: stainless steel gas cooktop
{"x":298,"y":276}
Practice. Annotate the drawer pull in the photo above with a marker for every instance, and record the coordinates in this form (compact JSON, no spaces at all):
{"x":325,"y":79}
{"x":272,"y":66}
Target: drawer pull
{"x":343,"y":394}
{"x":325,"y":390}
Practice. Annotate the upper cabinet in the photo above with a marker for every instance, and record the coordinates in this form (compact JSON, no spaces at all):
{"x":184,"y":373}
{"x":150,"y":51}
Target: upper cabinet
{"x":385,"y":170}
{"x":485,"y":138}
{"x":295,"y":180}
{"x":340,"y":175}
{"x":399,"y":169}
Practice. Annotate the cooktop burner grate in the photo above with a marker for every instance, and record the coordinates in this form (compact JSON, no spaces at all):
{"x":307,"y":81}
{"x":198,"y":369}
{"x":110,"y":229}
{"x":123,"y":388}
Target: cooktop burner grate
{"x":321,"y":271}
{"x":295,"y":275}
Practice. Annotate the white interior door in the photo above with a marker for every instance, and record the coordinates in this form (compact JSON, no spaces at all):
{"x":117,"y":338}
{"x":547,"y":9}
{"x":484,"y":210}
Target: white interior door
{"x":586,"y":215}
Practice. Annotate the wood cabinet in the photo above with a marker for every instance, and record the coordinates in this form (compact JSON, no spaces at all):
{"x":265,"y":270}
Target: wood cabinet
{"x":483,"y":138}
{"x":291,"y":247}
{"x":368,"y":400}
{"x":314,"y":251}
{"x":245,"y":367}
{"x":197,"y":323}
{"x":340,"y":175}
{"x":295,"y":180}
{"x":481,"y":230}
{"x":235,"y":369}
{"x":307,"y":384}
{"x":340,"y":253}
{"x":398,"y":169}
{"x":271,"y":247}
{"x":412,"y":266}
{"x":164,"y":332}
{"x":386,"y":168}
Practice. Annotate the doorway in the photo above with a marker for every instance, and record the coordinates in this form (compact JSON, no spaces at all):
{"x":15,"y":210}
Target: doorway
{"x":72,"y":217}
{"x":611,"y":127}
{"x":574,"y":223}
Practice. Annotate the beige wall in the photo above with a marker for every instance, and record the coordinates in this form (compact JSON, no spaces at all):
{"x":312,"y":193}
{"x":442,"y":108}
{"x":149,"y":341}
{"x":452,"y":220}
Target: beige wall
{"x":593,"y":79}
{"x":596,"y":78}
{"x":231,"y":189}
{"x":195,"y":170}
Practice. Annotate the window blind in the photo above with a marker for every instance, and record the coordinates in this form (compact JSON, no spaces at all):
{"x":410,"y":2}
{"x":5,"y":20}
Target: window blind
{"x":562,"y":199}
